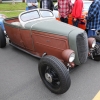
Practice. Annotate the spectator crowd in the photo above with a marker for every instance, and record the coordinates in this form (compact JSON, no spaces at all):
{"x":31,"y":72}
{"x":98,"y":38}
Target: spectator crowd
{"x":65,"y":7}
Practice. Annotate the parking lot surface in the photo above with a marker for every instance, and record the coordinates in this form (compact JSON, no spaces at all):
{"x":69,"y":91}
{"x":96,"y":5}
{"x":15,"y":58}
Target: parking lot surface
{"x":20,"y":80}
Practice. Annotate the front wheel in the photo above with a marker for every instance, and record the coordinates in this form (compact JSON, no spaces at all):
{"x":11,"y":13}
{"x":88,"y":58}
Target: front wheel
{"x":54,"y":74}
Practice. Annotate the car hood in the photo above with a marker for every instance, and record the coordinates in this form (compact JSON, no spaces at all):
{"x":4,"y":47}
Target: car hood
{"x":52,"y":26}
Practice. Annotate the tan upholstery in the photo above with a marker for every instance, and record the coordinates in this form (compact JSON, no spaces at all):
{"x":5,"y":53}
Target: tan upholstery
{"x":16,"y":24}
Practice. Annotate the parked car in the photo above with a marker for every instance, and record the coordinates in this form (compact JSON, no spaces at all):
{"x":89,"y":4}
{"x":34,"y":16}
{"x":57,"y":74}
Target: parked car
{"x":59,"y":46}
{"x":86,"y":5}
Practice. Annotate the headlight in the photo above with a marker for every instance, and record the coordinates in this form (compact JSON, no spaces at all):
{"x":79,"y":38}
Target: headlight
{"x":68,"y":55}
{"x":91,"y":42}
{"x":72,"y":57}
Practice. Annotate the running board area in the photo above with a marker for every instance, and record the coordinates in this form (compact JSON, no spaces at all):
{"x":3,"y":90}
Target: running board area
{"x":24,"y":51}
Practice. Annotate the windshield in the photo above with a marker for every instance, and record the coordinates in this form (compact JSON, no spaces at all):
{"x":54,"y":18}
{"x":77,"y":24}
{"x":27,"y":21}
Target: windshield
{"x":35,"y":14}
{"x":46,"y":13}
{"x":30,"y":15}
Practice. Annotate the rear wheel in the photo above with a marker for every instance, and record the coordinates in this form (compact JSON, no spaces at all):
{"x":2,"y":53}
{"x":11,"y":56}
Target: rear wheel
{"x":2,"y":38}
{"x":54,"y":74}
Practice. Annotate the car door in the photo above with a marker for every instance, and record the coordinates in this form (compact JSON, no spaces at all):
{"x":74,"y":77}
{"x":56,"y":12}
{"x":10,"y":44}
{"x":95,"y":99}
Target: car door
{"x":27,"y":39}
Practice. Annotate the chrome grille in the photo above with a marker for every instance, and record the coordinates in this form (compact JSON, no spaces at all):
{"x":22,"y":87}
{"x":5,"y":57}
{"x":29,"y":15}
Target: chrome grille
{"x":82,"y":47}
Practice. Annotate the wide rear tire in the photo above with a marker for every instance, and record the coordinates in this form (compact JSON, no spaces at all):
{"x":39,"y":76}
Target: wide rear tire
{"x":2,"y":38}
{"x":54,"y":74}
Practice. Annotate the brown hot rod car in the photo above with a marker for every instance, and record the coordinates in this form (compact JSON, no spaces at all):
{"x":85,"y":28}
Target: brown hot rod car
{"x":59,"y":46}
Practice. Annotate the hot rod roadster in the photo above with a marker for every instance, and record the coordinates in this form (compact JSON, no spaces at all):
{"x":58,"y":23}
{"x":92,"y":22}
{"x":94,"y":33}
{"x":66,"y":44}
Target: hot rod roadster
{"x":59,"y":46}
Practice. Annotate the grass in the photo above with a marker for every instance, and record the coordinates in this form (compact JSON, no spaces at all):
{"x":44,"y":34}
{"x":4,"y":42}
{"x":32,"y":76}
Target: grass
{"x":11,"y":7}
{"x":11,"y":10}
{"x":11,"y":14}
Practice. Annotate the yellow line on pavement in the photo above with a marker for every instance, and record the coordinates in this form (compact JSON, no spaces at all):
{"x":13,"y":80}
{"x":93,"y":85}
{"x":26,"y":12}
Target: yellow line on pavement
{"x":97,"y":97}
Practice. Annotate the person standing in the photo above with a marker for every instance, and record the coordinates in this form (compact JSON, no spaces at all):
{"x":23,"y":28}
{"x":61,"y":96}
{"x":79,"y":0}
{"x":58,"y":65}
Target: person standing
{"x":93,"y":18}
{"x":64,"y":8}
{"x":31,"y":4}
{"x":77,"y":12}
{"x":47,"y":4}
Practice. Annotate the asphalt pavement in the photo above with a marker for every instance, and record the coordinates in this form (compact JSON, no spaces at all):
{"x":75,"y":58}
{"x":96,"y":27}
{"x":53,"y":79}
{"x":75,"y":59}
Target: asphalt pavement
{"x":20,"y":80}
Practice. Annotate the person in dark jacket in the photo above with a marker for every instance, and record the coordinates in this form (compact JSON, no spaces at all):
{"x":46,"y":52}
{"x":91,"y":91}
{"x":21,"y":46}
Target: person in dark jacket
{"x":93,"y":18}
{"x":47,"y":4}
